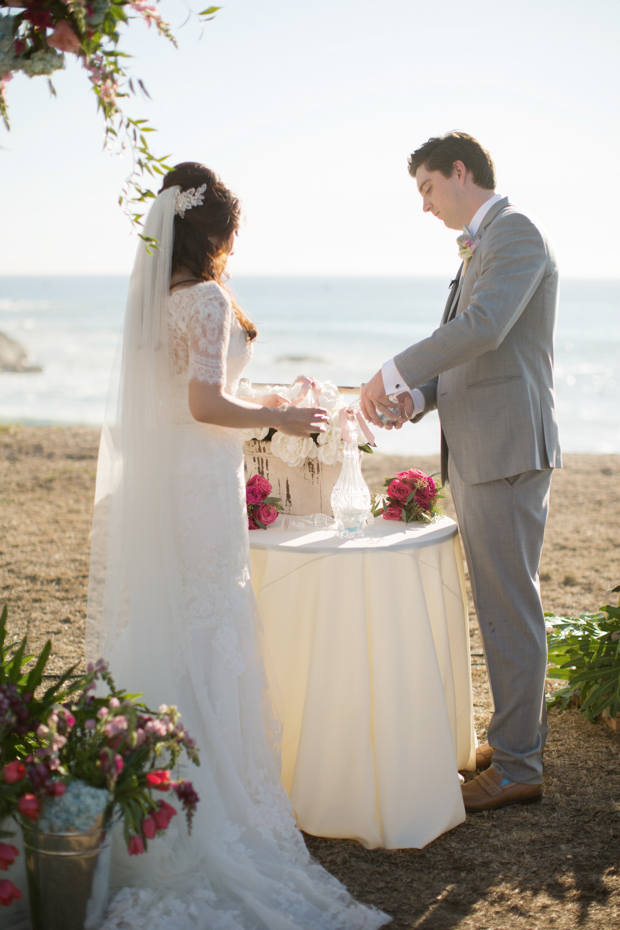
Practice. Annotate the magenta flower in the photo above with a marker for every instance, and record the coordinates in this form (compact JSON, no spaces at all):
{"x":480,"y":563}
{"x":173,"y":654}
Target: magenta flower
{"x":136,"y":846}
{"x":7,"y":855}
{"x":8,"y":892}
{"x":13,"y":771}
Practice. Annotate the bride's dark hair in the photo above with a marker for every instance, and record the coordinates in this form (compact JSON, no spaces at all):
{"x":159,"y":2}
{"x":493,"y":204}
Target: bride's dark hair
{"x":200,"y":235}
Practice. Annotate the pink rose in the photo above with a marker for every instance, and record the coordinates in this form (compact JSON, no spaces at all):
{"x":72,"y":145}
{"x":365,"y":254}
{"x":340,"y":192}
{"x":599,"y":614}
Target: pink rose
{"x":13,"y":771}
{"x":253,"y":495}
{"x":56,"y":789}
{"x":28,"y":806}
{"x":267,"y":513}
{"x":393,"y":512}
{"x":8,"y":892}
{"x":7,"y":855}
{"x":252,"y":524}
{"x":149,"y":828}
{"x":399,"y":490}
{"x":264,"y":486}
{"x":136,"y":846}
{"x":64,"y":38}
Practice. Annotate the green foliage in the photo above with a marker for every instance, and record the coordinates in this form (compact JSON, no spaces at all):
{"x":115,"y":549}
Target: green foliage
{"x":14,"y":742}
{"x":94,"y":28}
{"x":585,"y":651}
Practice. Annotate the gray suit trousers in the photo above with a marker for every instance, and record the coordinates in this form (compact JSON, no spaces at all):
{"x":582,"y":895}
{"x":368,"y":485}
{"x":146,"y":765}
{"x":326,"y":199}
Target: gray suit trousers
{"x":502,"y":524}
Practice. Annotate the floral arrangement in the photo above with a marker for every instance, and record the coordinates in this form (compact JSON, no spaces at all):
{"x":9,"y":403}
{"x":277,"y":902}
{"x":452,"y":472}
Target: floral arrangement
{"x":410,"y":495}
{"x":36,"y":39}
{"x":262,"y":508}
{"x":325,"y":447}
{"x":65,"y":763}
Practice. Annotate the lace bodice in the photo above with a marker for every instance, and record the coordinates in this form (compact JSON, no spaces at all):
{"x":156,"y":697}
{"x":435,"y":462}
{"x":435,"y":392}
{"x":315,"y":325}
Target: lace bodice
{"x":207,"y":343}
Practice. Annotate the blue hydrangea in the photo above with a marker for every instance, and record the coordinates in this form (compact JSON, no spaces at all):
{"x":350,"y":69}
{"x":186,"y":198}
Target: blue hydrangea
{"x":8,"y":59}
{"x":76,"y":810}
{"x":44,"y":61}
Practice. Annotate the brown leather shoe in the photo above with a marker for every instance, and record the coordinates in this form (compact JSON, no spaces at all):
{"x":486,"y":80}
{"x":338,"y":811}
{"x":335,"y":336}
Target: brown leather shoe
{"x":484,"y":756}
{"x":483,"y":793}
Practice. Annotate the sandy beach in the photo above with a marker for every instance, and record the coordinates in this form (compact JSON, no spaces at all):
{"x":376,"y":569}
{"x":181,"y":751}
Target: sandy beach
{"x":556,"y":865}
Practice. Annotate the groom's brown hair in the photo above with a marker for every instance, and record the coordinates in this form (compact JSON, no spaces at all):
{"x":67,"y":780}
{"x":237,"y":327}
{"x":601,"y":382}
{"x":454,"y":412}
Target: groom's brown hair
{"x":440,"y":153}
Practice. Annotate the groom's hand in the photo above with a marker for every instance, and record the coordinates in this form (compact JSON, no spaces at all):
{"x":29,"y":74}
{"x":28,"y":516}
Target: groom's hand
{"x":373,"y":399}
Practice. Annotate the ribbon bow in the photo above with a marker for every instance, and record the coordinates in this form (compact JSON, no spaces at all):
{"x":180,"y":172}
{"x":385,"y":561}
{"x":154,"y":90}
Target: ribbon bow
{"x":307,"y":385}
{"x":347,"y":413}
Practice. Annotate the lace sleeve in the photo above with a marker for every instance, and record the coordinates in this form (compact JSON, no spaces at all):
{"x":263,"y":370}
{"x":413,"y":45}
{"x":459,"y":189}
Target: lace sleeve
{"x":208,"y":334}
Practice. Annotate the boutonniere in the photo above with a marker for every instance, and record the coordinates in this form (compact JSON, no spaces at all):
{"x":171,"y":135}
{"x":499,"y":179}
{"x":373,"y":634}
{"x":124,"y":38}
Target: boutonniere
{"x":467,"y":245}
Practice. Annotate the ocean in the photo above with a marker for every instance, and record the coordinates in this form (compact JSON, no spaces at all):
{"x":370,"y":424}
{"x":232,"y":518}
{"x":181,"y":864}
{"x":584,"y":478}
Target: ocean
{"x":337,"y":329}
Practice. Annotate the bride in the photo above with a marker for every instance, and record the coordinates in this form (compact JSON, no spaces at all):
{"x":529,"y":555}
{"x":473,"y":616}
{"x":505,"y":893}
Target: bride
{"x":170,"y":602}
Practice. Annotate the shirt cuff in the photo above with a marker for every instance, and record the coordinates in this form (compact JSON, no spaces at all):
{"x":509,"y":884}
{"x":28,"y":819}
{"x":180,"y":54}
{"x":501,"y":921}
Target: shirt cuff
{"x":393,"y":383}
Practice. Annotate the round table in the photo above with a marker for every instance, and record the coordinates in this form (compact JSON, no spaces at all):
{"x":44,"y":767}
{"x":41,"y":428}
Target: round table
{"x":367,"y":656}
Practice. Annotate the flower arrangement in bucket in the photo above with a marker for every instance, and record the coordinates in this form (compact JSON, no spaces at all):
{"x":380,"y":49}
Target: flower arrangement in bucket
{"x":73,"y":761}
{"x":261,"y":507}
{"x":296,"y":451}
{"x":409,"y":495}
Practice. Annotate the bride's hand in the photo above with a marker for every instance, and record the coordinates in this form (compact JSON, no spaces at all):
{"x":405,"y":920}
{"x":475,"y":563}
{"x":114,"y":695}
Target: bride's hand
{"x":300,"y":421}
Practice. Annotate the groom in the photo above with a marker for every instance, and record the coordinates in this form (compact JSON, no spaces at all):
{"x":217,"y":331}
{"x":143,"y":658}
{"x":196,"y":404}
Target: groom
{"x":488,"y":369}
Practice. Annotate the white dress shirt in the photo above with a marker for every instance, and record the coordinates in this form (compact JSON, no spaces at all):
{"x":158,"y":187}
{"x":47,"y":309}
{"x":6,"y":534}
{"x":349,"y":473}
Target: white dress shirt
{"x":393,"y":381}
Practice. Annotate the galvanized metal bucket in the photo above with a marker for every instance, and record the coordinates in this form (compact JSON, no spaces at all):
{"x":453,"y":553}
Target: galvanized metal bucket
{"x":68,"y":877}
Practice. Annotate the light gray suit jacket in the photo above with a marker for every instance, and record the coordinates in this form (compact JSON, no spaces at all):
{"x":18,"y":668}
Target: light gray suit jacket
{"x":488,"y":369}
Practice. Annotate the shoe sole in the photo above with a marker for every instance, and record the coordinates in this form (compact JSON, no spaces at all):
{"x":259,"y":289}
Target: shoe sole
{"x":535,"y":799}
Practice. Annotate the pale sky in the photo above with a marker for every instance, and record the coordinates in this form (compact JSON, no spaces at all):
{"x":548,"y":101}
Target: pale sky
{"x":309,"y":111}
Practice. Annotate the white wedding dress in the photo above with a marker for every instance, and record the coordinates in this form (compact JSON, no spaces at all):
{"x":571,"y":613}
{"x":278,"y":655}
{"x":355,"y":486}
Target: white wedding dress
{"x":245,"y":865}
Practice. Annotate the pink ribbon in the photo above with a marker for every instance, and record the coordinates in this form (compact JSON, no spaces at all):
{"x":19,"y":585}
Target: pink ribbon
{"x":343,"y":416}
{"x":307,"y":385}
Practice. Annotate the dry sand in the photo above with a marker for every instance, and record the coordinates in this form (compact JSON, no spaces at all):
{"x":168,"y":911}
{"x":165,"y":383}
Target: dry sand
{"x":554,"y":865}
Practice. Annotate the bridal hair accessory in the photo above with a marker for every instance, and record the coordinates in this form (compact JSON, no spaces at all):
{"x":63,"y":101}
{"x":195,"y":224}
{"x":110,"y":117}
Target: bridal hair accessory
{"x":185,"y":200}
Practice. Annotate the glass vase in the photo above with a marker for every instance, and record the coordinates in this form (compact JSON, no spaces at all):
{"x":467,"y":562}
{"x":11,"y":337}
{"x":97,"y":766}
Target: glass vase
{"x":350,"y":498}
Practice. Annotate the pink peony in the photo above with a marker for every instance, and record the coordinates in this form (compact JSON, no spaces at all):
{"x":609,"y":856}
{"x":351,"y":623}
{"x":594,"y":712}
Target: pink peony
{"x":13,"y":771}
{"x":399,"y":490}
{"x":264,"y":486}
{"x":64,"y":38}
{"x":253,"y":495}
{"x":393,"y":512}
{"x":8,"y":892}
{"x":149,"y":828}
{"x":267,"y":513}
{"x":159,"y":780}
{"x":28,"y":806}
{"x":7,"y":855}
{"x":136,"y":846}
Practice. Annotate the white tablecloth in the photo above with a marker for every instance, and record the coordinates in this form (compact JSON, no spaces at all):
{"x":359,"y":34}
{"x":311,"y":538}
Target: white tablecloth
{"x":368,"y":657}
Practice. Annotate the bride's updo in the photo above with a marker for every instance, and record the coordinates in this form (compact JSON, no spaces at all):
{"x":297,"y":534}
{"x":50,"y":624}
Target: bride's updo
{"x":200,"y":235}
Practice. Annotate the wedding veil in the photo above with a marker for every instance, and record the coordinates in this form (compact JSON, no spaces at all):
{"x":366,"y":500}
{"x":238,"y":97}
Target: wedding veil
{"x":133,"y":566}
